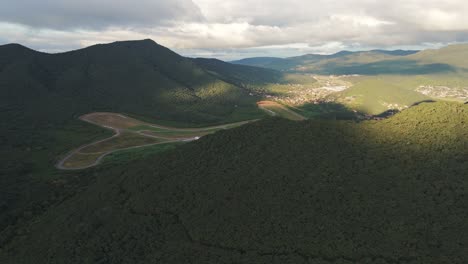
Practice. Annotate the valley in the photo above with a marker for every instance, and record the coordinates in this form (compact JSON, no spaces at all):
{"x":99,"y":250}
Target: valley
{"x":372,"y":82}
{"x":363,"y":95}
{"x":315,"y":90}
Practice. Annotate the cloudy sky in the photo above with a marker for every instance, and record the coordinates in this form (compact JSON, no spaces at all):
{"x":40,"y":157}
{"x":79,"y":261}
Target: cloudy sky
{"x":231,"y":29}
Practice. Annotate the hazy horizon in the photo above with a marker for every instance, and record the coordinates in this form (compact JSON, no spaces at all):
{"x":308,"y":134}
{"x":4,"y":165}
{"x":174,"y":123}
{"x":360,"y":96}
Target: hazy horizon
{"x":197,"y":56}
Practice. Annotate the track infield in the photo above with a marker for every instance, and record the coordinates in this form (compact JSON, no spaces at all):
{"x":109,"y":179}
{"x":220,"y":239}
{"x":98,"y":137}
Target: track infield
{"x":130,"y":133}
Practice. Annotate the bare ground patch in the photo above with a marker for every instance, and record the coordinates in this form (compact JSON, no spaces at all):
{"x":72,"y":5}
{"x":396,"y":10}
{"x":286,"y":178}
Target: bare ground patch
{"x":129,"y":133}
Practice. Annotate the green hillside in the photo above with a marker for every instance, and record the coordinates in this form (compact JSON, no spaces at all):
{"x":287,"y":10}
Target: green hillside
{"x":114,"y":77}
{"x":436,"y":74}
{"x":274,"y":191}
{"x":375,"y":96}
{"x":42,"y":96}
{"x":453,"y":55}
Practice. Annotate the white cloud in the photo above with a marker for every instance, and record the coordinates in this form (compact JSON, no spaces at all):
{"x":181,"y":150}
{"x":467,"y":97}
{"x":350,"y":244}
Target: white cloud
{"x":233,"y":28}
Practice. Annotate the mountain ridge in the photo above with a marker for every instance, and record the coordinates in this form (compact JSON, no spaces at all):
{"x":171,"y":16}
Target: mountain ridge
{"x":269,"y":61}
{"x":48,"y":70}
{"x":42,"y":96}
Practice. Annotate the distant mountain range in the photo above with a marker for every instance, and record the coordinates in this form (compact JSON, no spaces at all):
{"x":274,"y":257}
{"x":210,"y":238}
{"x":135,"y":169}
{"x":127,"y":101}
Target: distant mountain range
{"x":382,"y":79}
{"x":445,"y":60}
{"x":293,"y":62}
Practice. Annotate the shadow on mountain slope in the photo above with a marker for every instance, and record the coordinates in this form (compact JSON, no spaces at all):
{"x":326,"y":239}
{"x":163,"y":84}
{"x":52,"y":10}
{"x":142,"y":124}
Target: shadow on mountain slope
{"x":327,"y":110}
{"x":137,"y":77}
{"x":275,"y":191}
{"x":400,"y":67}
{"x":337,"y":111}
{"x":42,"y":95}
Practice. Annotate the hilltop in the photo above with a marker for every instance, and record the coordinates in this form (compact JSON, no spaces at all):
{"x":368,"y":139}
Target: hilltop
{"x":114,"y":77}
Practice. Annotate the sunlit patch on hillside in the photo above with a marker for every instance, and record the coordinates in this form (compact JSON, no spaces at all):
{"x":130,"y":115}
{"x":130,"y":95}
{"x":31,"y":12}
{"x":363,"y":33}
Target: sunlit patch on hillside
{"x":130,"y":133}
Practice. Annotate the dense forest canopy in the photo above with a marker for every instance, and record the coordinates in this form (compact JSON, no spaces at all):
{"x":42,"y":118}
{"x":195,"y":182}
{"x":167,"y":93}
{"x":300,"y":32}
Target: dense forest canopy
{"x":275,"y":191}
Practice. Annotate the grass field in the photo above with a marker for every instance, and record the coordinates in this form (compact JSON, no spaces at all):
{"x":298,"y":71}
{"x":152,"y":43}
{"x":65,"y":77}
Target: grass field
{"x":276,"y":109}
{"x":81,"y":160}
{"x":122,"y":141}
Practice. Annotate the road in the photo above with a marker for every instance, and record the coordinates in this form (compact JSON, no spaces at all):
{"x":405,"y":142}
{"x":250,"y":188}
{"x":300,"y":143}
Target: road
{"x":61,"y":164}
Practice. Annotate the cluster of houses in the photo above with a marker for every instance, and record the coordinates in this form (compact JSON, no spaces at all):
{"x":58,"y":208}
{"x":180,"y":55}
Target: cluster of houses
{"x":460,"y":93}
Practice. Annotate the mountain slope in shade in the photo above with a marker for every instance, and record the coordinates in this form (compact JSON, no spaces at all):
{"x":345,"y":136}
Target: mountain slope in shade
{"x":42,"y":95}
{"x":452,"y":55}
{"x":275,"y":191}
{"x":304,"y":62}
{"x":240,"y":75}
{"x":260,"y":61}
{"x":139,"y":77}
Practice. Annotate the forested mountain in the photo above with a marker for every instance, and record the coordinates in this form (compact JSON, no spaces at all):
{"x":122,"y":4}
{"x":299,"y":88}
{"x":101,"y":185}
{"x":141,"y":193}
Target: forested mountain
{"x":162,"y":151}
{"x":274,"y":191}
{"x":115,"y":76}
{"x":42,"y":95}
